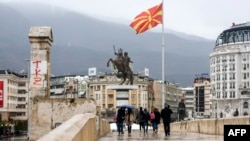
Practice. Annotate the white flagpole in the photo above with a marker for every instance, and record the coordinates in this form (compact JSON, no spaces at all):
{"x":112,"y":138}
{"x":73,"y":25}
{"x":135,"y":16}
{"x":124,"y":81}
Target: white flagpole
{"x":163,"y":58}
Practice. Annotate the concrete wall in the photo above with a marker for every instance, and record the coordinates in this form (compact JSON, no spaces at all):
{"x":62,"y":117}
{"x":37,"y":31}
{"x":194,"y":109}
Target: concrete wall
{"x":104,"y":128}
{"x":45,"y":112}
{"x":78,"y":128}
{"x":208,"y":126}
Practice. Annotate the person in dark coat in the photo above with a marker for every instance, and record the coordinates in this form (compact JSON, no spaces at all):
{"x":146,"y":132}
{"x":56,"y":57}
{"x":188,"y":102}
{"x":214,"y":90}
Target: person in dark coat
{"x":120,"y":119}
{"x":147,"y":119}
{"x":141,"y":118}
{"x":181,"y":110}
{"x":166,"y":118}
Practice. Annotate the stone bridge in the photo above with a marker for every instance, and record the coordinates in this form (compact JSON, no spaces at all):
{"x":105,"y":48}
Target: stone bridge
{"x":90,"y":127}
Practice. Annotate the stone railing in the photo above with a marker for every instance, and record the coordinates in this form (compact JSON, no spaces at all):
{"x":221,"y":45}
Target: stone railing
{"x":78,"y":128}
{"x":208,"y":126}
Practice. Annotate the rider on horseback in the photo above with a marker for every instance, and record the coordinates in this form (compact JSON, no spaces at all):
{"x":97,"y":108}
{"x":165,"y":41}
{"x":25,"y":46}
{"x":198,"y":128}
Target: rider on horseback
{"x":119,"y":55}
{"x":126,"y":61}
{"x":120,"y":60}
{"x":121,"y":63}
{"x":127,"y":70}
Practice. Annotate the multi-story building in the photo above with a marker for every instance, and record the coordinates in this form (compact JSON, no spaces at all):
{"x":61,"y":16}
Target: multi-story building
{"x":172,"y":96}
{"x":202,"y":96}
{"x":69,"y":86}
{"x":188,"y":96}
{"x":109,"y":94}
{"x":145,"y":92}
{"x":13,"y":95}
{"x":230,"y":71}
{"x":104,"y":89}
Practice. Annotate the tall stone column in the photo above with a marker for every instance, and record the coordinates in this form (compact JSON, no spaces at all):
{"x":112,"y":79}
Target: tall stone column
{"x":41,"y":39}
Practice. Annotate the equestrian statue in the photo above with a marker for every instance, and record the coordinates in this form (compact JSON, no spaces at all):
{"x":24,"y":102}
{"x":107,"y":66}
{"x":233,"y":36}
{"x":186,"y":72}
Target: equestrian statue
{"x":121,"y":63}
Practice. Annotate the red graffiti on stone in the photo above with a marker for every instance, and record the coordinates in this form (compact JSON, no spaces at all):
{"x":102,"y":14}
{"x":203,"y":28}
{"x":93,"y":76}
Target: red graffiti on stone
{"x":37,"y":79}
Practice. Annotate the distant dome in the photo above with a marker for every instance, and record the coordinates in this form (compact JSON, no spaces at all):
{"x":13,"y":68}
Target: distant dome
{"x":237,"y":33}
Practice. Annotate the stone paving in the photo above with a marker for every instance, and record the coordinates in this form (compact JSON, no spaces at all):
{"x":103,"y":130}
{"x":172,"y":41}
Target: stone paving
{"x":14,"y":138}
{"x":150,"y":136}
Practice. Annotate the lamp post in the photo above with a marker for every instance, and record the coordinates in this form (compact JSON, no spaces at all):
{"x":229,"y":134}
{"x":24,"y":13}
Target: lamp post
{"x":28,"y":102}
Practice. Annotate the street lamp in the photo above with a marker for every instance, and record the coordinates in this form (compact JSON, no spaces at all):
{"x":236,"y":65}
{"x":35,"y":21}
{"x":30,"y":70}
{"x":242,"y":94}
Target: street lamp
{"x":28,"y":102}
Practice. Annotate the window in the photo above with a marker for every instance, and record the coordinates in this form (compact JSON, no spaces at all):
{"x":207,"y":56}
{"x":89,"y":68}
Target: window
{"x":232,"y":85}
{"x":244,"y":57}
{"x":21,"y":84}
{"x":97,"y":96}
{"x":231,"y":58}
{"x":110,"y":105}
{"x":110,"y":96}
{"x":232,"y":67}
{"x":245,"y":105}
{"x":232,"y":76}
{"x":133,"y":96}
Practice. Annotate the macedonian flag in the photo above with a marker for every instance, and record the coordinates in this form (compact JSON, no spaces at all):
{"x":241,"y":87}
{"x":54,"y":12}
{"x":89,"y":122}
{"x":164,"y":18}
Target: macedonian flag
{"x":147,"y":19}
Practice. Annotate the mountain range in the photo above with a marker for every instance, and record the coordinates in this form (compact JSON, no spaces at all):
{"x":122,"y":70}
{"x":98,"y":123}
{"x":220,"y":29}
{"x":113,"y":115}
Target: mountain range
{"x":82,"y":42}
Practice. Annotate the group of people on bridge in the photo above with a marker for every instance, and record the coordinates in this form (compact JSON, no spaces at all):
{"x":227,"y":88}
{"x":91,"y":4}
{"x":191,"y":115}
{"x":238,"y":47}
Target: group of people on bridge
{"x":144,"y":119}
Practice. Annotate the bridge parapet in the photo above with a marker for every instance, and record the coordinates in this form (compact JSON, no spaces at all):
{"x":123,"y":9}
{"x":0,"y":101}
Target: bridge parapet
{"x":208,"y":126}
{"x":79,"y":127}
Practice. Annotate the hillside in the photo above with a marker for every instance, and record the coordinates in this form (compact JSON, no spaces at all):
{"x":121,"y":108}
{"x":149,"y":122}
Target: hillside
{"x":81,"y":42}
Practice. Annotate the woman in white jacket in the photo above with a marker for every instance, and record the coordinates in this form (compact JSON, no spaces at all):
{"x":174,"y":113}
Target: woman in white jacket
{"x":129,"y":119}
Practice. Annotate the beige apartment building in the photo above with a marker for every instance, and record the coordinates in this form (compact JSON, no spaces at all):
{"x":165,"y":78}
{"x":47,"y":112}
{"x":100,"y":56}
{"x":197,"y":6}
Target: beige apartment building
{"x":109,"y":95}
{"x":173,"y":94}
{"x":13,"y":96}
{"x":202,"y":97}
{"x":145,"y":92}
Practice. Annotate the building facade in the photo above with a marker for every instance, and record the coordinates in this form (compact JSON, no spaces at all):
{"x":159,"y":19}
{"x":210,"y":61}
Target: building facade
{"x":145,"y":92}
{"x":110,"y":95}
{"x":104,"y":89}
{"x":202,"y":97}
{"x":69,"y":86}
{"x":13,"y":96}
{"x":188,"y":94}
{"x":229,"y":70}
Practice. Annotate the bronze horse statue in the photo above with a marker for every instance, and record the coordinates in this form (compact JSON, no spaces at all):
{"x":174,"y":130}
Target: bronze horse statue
{"x":123,"y":70}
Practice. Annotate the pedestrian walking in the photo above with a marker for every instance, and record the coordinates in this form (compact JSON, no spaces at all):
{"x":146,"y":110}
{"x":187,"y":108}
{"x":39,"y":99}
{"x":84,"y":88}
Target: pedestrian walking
{"x":115,"y":120}
{"x":141,"y":118}
{"x":120,"y":119}
{"x":147,"y":119}
{"x":181,"y":110}
{"x":155,"y":119}
{"x":129,"y":118}
{"x":166,"y":118}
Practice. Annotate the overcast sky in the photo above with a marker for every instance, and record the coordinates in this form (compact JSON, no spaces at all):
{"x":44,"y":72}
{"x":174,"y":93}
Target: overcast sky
{"x":205,"y":18}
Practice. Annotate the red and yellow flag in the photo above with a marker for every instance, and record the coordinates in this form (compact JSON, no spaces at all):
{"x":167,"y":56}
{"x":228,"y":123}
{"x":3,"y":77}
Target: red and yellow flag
{"x":147,"y":19}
